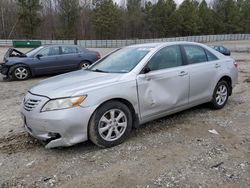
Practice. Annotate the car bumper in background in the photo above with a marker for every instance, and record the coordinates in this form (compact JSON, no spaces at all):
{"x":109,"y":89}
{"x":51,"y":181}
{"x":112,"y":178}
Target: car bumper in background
{"x":3,"y":69}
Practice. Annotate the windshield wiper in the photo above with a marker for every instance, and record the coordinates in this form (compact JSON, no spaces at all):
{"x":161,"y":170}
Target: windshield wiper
{"x":98,"y":70}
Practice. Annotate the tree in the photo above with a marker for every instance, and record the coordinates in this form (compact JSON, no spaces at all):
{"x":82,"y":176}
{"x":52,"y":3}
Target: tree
{"x":189,"y":19}
{"x":134,"y":19}
{"x":228,"y":14}
{"x":245,"y":16}
{"x":8,"y":18}
{"x":69,"y":11}
{"x":29,"y":16}
{"x":161,"y":17}
{"x":106,"y":20}
{"x":147,"y":12}
{"x":208,"y":20}
{"x":103,"y":19}
{"x":50,"y":19}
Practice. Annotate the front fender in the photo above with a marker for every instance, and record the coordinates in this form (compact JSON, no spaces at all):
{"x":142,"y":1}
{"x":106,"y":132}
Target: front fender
{"x":126,"y":90}
{"x":12,"y":67}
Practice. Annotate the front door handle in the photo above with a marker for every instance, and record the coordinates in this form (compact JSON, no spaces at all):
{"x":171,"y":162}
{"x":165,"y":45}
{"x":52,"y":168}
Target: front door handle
{"x":183,"y":73}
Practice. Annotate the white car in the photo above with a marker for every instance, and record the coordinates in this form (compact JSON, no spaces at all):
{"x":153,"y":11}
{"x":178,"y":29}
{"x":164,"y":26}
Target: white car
{"x":128,"y":87}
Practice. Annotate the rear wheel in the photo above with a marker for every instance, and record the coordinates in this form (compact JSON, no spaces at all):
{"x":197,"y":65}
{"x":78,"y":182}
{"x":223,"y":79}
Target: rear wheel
{"x":20,"y":72}
{"x":84,"y":65}
{"x":221,"y":94}
{"x":110,"y":125}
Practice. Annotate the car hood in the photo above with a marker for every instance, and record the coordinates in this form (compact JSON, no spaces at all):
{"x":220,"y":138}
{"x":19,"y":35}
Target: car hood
{"x":14,"y":55}
{"x":74,"y":83}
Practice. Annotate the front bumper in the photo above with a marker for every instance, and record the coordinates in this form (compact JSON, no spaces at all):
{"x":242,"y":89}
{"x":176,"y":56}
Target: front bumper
{"x":3,"y":69}
{"x":59,"y":128}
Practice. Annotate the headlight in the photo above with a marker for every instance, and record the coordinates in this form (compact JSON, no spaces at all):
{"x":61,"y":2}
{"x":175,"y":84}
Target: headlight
{"x":64,"y":103}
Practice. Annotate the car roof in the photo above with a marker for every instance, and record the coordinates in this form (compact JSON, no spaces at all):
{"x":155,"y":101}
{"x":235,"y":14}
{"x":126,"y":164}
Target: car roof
{"x":51,"y":45}
{"x":160,"y":44}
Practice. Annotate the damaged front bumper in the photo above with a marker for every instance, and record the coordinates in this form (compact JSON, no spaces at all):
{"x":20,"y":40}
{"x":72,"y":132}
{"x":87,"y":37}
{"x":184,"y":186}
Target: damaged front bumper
{"x":59,"y":128}
{"x":3,"y":69}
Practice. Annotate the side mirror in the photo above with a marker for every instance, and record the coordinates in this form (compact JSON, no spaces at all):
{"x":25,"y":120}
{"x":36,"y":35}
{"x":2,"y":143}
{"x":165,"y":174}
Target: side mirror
{"x":145,"y":70}
{"x":38,"y":56}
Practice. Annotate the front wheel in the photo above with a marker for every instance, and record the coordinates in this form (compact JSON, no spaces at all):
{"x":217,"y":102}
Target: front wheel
{"x":220,"y":96}
{"x":20,"y":72}
{"x":110,"y":124}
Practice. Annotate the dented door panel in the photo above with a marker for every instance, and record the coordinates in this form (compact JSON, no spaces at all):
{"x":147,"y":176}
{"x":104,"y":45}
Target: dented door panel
{"x":202,"y":77}
{"x":162,"y":90}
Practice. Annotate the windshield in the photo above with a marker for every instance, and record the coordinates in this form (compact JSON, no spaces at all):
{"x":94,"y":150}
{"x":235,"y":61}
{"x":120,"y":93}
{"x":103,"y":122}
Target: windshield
{"x":34,"y":51}
{"x":121,"y":61}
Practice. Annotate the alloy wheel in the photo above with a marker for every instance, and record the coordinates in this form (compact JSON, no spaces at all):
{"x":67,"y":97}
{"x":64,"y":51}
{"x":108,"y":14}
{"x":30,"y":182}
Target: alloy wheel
{"x":21,"y":73}
{"x":221,"y":95}
{"x":85,"y":65}
{"x":112,"y":125}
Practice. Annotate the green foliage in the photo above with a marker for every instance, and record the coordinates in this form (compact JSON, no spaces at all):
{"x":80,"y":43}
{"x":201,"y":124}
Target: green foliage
{"x":133,"y":19}
{"x":103,"y":19}
{"x":69,"y":11}
{"x":107,"y":19}
{"x":28,"y":16}
{"x":229,"y":14}
{"x":245,"y":16}
{"x":190,"y":21}
{"x":160,"y":18}
{"x":207,"y":19}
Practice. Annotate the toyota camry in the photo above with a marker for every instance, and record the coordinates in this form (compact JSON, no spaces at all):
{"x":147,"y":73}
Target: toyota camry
{"x":128,"y":87}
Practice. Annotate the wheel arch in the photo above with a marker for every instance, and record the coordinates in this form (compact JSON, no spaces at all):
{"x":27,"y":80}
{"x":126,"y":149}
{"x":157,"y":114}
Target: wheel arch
{"x":228,"y":79}
{"x":135,"y":116}
{"x":85,"y":60}
{"x":12,"y":67}
{"x":82,"y":61}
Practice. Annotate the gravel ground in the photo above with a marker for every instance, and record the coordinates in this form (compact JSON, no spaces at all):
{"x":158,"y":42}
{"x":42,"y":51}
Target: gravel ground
{"x":175,"y":151}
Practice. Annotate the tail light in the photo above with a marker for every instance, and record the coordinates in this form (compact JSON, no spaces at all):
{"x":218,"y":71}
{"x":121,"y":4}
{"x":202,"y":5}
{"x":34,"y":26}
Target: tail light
{"x":236,"y":64}
{"x":98,"y":56}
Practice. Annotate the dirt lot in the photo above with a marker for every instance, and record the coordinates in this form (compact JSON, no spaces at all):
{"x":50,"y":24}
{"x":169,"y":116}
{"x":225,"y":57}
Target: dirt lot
{"x":175,"y":151}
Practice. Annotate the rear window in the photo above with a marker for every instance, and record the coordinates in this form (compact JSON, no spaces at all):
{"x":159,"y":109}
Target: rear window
{"x":210,"y":56}
{"x":195,"y":54}
{"x":69,"y":50}
{"x":50,"y":51}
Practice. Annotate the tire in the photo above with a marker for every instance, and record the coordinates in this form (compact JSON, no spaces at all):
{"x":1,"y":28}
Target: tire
{"x":220,"y":95}
{"x":84,"y":65}
{"x":105,"y":131}
{"x":20,"y":72}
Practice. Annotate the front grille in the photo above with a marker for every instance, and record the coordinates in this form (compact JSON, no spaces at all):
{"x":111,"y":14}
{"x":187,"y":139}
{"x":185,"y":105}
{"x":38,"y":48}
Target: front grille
{"x":30,"y":104}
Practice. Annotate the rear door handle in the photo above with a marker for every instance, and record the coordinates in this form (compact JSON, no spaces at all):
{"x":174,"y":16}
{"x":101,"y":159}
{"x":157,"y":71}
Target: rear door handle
{"x":217,"y":65}
{"x":183,"y":73}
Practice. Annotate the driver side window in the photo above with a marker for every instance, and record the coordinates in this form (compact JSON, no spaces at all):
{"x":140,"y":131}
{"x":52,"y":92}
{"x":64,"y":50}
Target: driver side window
{"x":51,"y":51}
{"x":167,"y":57}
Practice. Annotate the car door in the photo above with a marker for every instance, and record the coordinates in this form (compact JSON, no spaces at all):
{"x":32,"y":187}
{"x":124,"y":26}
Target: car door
{"x":71,"y":57}
{"x":165,"y":87}
{"x":203,"y":67}
{"x":46,"y":60}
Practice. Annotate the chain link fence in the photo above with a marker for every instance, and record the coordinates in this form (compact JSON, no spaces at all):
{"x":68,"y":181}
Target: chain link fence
{"x":121,"y":43}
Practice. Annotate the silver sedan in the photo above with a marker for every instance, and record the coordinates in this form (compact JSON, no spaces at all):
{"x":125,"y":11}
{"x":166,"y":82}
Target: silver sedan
{"x":128,"y":87}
